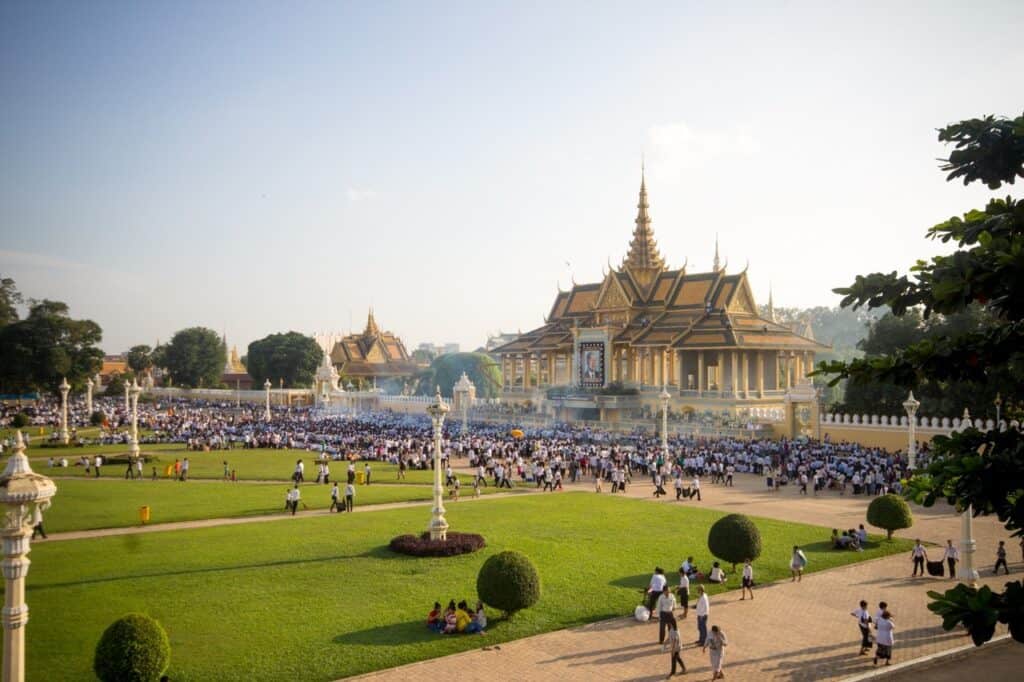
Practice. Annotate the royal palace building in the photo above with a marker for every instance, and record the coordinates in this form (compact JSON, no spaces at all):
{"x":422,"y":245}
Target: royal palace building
{"x":610,"y":347}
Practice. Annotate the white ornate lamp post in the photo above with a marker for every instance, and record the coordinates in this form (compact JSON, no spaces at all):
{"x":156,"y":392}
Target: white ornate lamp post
{"x":967,"y":544}
{"x":911,"y":405}
{"x":998,"y":402}
{"x":127,"y":400}
{"x":664,"y":396}
{"x":438,"y":525}
{"x":266,"y":413}
{"x":88,"y":396}
{"x":64,"y":388}
{"x":464,"y":393}
{"x":25,"y":495}
{"x":133,"y":449}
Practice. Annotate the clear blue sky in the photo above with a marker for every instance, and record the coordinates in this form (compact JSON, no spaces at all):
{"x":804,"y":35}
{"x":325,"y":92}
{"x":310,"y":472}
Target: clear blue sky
{"x":259,"y":167}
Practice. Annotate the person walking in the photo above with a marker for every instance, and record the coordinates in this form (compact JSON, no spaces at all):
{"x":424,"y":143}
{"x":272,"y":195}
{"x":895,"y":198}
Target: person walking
{"x":350,"y":493}
{"x":864,"y":623}
{"x":292,"y":499}
{"x":695,"y":488}
{"x":674,"y":647}
{"x":335,"y":493}
{"x":952,"y":556}
{"x":797,"y":564}
{"x":683,"y":591}
{"x":716,"y":643}
{"x":655,"y":588}
{"x":748,"y":581}
{"x":884,"y":638}
{"x":703,"y":609}
{"x":1000,"y":558}
{"x":366,"y":471}
{"x":918,"y":555}
{"x":97,"y":463}
{"x":184,"y":470}
{"x":666,"y":607}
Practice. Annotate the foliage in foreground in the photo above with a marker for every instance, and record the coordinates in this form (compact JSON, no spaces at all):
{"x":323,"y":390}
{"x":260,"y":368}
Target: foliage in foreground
{"x":890,"y":512}
{"x":734,"y":538}
{"x":508,"y":581}
{"x":455,"y":544}
{"x":972,"y":469}
{"x":134,"y":648}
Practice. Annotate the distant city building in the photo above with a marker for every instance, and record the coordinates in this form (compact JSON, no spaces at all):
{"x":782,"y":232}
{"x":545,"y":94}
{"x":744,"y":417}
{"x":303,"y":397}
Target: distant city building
{"x":438,"y":349}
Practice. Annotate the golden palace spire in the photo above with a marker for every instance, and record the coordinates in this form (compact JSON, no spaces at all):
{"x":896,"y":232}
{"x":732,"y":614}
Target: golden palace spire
{"x":371,"y":325}
{"x":643,"y":249}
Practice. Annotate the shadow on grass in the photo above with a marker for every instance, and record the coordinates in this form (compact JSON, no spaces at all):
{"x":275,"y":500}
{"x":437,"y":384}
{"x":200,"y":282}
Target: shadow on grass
{"x":637,"y":582}
{"x":414,"y":632}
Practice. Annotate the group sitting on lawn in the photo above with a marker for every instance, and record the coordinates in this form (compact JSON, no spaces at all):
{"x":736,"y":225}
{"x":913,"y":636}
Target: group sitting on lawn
{"x":457,"y":618}
{"x":850,"y":539}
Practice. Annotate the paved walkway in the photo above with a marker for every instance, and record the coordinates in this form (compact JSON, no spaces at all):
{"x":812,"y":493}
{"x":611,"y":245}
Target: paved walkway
{"x":791,"y":631}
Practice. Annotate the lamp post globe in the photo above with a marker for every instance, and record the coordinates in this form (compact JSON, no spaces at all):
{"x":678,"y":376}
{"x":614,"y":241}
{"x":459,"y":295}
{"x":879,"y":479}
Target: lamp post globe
{"x":64,"y":388}
{"x":438,"y":524}
{"x":911,"y":405}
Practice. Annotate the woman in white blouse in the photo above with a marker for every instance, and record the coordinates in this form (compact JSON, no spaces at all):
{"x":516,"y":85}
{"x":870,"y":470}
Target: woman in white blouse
{"x":884,"y":628}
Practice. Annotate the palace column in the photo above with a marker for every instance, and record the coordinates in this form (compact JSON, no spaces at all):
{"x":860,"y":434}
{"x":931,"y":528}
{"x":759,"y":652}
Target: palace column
{"x":701,"y":374}
{"x":551,"y":369}
{"x":679,"y":369}
{"x":734,"y":356}
{"x":720,"y":374}
{"x":760,"y":374}
{"x":746,"y":374}
{"x":526,"y":371}
{"x":787,"y":371}
{"x":798,"y":369}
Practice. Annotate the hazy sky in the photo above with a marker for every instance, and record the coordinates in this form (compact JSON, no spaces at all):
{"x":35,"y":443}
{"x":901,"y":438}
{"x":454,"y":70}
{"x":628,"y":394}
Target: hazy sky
{"x":259,"y":167}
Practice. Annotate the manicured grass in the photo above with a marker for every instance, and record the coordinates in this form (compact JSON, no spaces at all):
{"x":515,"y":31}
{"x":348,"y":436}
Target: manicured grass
{"x":84,"y":505}
{"x":259,"y":464}
{"x":322,"y":598}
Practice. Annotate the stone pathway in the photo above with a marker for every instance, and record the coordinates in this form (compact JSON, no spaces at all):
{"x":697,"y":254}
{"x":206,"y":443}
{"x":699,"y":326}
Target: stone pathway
{"x":791,"y":631}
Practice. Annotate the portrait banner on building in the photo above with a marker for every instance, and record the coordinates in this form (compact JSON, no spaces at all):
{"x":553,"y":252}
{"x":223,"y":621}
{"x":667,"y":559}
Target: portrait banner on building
{"x":591,"y":364}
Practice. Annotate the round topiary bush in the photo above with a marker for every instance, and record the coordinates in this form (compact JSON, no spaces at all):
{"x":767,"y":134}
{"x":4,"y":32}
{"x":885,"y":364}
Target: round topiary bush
{"x":455,"y":544}
{"x":508,"y":581}
{"x":890,"y":512}
{"x":134,"y":648}
{"x":96,"y":418}
{"x":734,"y":538}
{"x":20,"y":420}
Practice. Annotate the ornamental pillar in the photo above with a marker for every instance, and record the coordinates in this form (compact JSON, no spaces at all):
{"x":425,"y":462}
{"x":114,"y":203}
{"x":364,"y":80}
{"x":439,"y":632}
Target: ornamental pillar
{"x":701,"y":374}
{"x":760,"y":374}
{"x":721,"y":374}
{"x":746,"y":374}
{"x":735,"y":378}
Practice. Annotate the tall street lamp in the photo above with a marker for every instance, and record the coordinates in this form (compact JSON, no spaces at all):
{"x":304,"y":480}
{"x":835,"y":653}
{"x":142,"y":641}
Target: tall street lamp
{"x":967,"y":543}
{"x":911,"y":405}
{"x":998,"y":402}
{"x":127,"y":404}
{"x":88,"y":396}
{"x":438,"y":525}
{"x":25,"y":495}
{"x":664,"y":396}
{"x":133,"y":449}
{"x":266,"y":413}
{"x":64,"y":388}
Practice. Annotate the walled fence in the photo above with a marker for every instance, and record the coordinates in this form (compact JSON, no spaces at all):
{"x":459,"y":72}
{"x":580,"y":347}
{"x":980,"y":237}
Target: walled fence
{"x":893,"y":433}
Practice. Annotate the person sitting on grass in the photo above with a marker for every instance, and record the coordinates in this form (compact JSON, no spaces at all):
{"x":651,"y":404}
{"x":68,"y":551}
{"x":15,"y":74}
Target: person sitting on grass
{"x":435,"y":619}
{"x":717,"y":574}
{"x":479,"y":622}
{"x":450,"y":621}
{"x":462,"y":617}
{"x":690,"y":568}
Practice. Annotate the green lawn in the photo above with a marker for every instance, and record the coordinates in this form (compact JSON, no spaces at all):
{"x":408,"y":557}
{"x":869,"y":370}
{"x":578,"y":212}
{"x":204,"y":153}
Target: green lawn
{"x":322,"y":598}
{"x":83,"y":505}
{"x":265,"y":465}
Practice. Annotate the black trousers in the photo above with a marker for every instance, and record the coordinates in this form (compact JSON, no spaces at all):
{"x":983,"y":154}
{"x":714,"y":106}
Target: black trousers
{"x":919,"y":564}
{"x":865,"y":637}
{"x":677,"y":659}
{"x":348,"y":503}
{"x":1001,"y":562}
{"x":664,"y":618}
{"x":952,"y":567}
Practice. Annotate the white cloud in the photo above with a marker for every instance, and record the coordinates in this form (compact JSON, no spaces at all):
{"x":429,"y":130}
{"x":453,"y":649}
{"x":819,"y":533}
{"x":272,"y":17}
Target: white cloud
{"x":355,"y":194}
{"x":680,"y":146}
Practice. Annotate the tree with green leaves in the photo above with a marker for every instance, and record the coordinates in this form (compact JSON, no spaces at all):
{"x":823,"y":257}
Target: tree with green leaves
{"x":293,"y":357}
{"x":195,"y":357}
{"x":445,"y":370}
{"x":38,"y":352}
{"x":10,"y":299}
{"x":140,"y":359}
{"x":972,"y":469}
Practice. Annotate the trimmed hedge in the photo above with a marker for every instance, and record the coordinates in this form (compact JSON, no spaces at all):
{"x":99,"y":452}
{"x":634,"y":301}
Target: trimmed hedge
{"x":734,"y":538}
{"x":134,"y":648}
{"x":20,"y":421}
{"x":457,"y":543}
{"x":508,"y":581}
{"x":890,"y":512}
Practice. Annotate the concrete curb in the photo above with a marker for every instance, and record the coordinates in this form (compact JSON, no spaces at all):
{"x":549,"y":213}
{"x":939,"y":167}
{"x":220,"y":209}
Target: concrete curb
{"x":956,"y":652}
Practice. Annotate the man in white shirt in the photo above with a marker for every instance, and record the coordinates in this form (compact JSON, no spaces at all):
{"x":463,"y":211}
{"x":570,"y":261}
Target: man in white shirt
{"x":666,"y":606}
{"x":919,"y":555}
{"x":292,"y":499}
{"x":350,"y":493}
{"x":703,"y":611}
{"x":684,"y":591}
{"x":952,"y":556}
{"x":655,"y":588}
{"x":695,"y":488}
